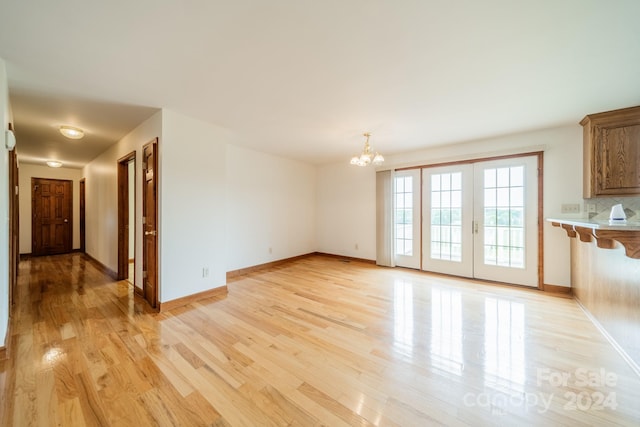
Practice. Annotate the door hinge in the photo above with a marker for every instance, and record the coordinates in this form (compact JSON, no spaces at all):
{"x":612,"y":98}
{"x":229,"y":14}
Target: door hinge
{"x":144,"y":274}
{"x":144,"y":220}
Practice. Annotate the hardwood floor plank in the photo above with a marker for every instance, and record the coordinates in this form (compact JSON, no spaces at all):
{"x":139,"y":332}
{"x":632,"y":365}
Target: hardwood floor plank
{"x":90,"y":402}
{"x":207,"y":413}
{"x":175,"y":378}
{"x":127,"y":410}
{"x":333,"y":406}
{"x":316,"y":341}
{"x":70,"y":413}
{"x":46,"y":399}
{"x":275,"y":402}
{"x":226,"y":399}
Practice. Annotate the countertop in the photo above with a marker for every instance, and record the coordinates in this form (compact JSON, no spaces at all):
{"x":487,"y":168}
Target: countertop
{"x":598,"y":224}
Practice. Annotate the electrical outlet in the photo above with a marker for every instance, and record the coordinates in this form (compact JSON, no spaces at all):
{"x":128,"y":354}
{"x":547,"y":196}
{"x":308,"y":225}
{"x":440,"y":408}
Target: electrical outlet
{"x":591,"y":207}
{"x":270,"y":250}
{"x":566,"y":208}
{"x":356,"y":246}
{"x":205,"y":272}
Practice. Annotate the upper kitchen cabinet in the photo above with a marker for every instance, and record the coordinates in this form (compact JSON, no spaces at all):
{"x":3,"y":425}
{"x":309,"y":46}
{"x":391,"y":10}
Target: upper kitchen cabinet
{"x":612,"y":153}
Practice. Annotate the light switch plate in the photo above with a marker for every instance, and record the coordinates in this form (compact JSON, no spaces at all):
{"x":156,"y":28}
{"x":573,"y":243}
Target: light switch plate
{"x":567,"y":208}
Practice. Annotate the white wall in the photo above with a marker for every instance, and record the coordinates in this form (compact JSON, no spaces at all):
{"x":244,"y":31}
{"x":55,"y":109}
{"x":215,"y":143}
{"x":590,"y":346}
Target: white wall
{"x":271,"y":208}
{"x":102,"y":196}
{"x":28,"y":171}
{"x":221,"y":207}
{"x":347,"y":210}
{"x":4,"y":206}
{"x":192,"y":203}
{"x":346,"y":196}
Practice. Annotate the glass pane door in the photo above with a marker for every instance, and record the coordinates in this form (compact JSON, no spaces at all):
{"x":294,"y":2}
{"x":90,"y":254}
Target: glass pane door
{"x":481,"y":220}
{"x":506,"y":221}
{"x":406,"y":218}
{"x":448,"y":207}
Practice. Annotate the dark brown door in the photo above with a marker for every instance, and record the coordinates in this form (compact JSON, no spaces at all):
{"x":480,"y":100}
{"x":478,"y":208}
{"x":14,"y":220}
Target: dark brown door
{"x":51,"y":208}
{"x":149,"y":216}
{"x":14,"y":226}
{"x":83,"y":247}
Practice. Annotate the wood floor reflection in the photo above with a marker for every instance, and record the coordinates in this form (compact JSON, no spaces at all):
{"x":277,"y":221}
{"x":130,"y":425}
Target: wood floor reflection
{"x":317,"y":341}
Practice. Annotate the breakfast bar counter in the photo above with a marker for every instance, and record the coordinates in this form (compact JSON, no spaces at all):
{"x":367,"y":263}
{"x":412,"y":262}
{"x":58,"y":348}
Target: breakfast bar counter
{"x":605,"y":278}
{"x":605,"y":233}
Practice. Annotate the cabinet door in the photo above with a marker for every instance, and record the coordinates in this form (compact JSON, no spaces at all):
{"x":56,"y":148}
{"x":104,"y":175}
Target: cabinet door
{"x":612,"y":153}
{"x":618,"y":159}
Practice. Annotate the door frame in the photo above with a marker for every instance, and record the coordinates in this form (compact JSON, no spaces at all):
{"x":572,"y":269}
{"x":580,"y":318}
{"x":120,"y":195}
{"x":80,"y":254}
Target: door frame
{"x":540,"y":162}
{"x":69,"y":241}
{"x":123,"y":216}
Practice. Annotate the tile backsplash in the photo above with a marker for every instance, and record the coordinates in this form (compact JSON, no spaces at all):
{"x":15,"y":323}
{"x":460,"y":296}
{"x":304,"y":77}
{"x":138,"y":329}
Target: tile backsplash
{"x":603,"y":206}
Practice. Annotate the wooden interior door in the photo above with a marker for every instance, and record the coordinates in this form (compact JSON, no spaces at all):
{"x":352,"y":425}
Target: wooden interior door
{"x":149,"y":220}
{"x":51,"y":210}
{"x":82,"y":219}
{"x":14,"y":226}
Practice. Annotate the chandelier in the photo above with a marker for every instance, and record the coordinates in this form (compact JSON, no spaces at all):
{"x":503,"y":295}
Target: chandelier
{"x":367,"y":157}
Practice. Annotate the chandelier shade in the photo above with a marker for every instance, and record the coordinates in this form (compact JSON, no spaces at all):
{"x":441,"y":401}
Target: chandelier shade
{"x":367,"y":157}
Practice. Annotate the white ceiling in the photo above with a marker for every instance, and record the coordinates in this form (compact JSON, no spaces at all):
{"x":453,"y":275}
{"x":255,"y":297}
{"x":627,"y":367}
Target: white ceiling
{"x":303,"y":79}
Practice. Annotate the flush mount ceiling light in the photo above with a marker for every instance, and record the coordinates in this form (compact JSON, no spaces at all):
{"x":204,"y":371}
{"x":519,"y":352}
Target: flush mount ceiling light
{"x":71,"y":132}
{"x":54,"y":164}
{"x":367,"y":157}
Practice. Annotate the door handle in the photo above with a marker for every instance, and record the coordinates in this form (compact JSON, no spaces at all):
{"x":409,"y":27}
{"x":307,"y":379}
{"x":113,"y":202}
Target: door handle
{"x":151,"y":233}
{"x":66,"y":220}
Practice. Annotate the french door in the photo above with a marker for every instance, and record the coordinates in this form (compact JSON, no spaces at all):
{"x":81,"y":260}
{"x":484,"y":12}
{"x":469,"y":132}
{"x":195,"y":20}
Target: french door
{"x":480,"y":220}
{"x":406,"y":218}
{"x":506,"y":221}
{"x":448,"y":220}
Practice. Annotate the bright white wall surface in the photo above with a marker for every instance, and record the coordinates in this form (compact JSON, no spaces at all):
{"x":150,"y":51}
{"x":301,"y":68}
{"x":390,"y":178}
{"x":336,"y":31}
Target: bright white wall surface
{"x":102,"y":196}
{"x":192,"y":206}
{"x":28,"y":171}
{"x":4,"y":206}
{"x":347,"y":210}
{"x":346,"y":194}
{"x":271,"y":208}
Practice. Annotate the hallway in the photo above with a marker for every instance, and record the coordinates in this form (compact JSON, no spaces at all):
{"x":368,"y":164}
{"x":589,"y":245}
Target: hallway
{"x":315,"y":341}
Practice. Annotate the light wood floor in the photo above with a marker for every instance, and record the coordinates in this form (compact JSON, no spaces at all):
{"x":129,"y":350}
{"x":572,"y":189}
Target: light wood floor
{"x":314,"y":342}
